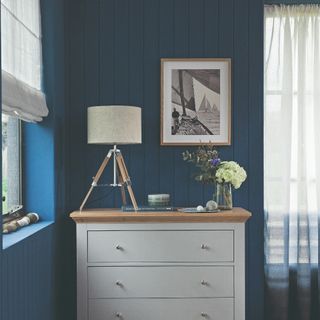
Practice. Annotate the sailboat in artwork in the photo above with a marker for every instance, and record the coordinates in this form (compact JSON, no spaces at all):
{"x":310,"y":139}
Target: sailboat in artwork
{"x":207,"y":106}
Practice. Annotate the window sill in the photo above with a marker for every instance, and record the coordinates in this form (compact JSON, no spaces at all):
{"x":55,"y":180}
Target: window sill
{"x":11,"y":239}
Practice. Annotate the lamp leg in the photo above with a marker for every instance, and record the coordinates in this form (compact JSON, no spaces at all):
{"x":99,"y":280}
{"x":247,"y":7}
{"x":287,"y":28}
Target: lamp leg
{"x":133,"y":199}
{"x":123,"y":191}
{"x":114,"y":166}
{"x":126,"y":178}
{"x":97,"y":177}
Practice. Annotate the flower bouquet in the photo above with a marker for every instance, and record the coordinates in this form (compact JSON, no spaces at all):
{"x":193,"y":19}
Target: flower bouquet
{"x":222,"y":174}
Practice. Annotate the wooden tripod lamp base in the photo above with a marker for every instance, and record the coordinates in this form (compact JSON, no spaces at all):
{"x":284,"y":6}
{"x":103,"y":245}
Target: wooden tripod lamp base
{"x":114,"y":125}
{"x":119,"y":171}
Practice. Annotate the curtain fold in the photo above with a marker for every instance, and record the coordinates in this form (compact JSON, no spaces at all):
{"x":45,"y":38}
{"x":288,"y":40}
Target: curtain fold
{"x":292,"y":159}
{"x":21,"y":55}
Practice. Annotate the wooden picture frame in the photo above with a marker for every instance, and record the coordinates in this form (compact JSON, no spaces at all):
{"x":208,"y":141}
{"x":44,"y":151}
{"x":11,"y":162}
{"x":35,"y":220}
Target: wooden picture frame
{"x":195,"y":101}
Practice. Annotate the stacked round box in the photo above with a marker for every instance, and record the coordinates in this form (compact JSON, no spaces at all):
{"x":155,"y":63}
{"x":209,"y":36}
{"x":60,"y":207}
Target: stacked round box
{"x":158,"y":200}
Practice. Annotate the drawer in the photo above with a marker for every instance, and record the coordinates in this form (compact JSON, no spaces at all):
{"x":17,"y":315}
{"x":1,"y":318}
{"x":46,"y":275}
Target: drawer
{"x":160,"y":282}
{"x":160,"y":246}
{"x":157,"y":309}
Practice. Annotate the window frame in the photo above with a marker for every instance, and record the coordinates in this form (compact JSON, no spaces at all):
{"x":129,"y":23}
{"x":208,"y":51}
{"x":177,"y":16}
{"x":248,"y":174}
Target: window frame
{"x":20,"y":166}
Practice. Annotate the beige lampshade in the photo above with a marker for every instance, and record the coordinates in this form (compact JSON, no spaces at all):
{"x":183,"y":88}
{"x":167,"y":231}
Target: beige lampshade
{"x":114,"y":125}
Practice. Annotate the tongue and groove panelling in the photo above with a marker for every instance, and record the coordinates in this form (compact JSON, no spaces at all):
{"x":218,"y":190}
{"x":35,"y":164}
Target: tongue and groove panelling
{"x":114,"y":51}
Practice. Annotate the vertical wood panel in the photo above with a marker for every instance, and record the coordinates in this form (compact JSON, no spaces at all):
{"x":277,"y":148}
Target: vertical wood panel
{"x":121,"y":75}
{"x":107,"y":55}
{"x":106,"y":85}
{"x":76,"y":100}
{"x":151,"y":95}
{"x":4,"y":286}
{"x":14,"y":288}
{"x":136,"y":74}
{"x":26,"y":292}
{"x":255,"y":159}
{"x":196,"y":28}
{"x":121,"y":47}
{"x":19,"y":273}
{"x":181,"y":50}
{"x":226,"y":22}
{"x":91,"y":48}
{"x":37,"y":266}
{"x":27,"y":279}
{"x":91,"y":52}
{"x":196,"y":49}
{"x":241,"y":110}
{"x":211,"y":50}
{"x":211,"y":27}
{"x":166,"y":50}
{"x":241,"y":94}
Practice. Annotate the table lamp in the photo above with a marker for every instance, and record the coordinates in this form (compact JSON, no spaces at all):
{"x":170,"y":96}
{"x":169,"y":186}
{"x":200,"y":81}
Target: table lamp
{"x":114,"y":125}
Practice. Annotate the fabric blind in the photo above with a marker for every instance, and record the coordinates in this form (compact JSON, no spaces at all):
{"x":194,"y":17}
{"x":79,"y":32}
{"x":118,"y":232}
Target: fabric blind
{"x":22,"y":60}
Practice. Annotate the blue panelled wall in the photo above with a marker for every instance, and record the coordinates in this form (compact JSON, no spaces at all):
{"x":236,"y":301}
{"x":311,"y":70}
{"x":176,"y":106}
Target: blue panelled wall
{"x":29,"y":280}
{"x":114,"y":51}
{"x":108,"y":52}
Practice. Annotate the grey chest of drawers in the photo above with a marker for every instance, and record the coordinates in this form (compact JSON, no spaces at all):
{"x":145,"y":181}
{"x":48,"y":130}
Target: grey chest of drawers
{"x":160,"y":266}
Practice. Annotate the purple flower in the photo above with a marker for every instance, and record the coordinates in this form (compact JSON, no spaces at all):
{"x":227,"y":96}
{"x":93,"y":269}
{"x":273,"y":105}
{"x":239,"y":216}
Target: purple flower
{"x":215,"y":162}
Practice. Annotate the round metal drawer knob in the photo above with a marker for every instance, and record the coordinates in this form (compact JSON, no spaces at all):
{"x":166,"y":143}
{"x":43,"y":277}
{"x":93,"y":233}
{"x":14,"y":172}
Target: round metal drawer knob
{"x":119,"y":315}
{"x":204,"y":283}
{"x":118,"y":283}
{"x":118,"y":247}
{"x":204,"y":315}
{"x":204,"y":246}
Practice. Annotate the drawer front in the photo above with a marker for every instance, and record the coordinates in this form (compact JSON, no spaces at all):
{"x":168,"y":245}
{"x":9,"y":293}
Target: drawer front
{"x":160,"y":282}
{"x":157,"y":309}
{"x":160,"y":246}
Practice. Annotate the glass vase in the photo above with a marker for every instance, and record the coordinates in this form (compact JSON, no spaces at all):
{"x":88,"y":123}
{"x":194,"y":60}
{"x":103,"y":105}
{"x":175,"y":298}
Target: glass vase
{"x":223,"y":195}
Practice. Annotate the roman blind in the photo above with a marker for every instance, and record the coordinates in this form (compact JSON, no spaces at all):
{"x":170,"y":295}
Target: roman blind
{"x":21,"y":56}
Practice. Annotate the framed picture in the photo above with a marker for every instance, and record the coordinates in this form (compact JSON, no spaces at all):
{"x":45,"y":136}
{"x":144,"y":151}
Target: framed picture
{"x":195,"y":101}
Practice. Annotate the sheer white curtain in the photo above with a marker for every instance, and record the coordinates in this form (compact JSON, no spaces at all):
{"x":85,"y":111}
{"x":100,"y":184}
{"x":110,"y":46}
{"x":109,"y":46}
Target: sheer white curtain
{"x":22,"y":60}
{"x":292,"y":156}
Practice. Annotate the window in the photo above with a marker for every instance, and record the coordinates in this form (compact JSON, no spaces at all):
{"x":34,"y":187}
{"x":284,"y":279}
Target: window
{"x":292,"y":141}
{"x":22,"y":97}
{"x":11,"y":164}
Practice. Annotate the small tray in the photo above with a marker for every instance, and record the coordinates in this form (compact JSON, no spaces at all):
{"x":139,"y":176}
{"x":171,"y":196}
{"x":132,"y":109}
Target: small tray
{"x":194,"y":210}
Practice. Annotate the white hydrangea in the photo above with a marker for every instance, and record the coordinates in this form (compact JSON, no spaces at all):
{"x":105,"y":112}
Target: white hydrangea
{"x":230,"y":171}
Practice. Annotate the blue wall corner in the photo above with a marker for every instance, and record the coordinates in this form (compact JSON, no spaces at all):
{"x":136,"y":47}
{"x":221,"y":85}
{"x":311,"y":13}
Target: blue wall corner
{"x":29,"y":281}
{"x":38,"y":170}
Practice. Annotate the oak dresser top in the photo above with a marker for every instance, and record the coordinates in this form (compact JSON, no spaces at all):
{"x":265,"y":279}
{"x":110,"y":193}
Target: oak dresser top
{"x":117,"y":216}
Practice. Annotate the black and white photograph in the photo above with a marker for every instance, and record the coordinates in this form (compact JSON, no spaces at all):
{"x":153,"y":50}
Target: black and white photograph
{"x":195,"y":101}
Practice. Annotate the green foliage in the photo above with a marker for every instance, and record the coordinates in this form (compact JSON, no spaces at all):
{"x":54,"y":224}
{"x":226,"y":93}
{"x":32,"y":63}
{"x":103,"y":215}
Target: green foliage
{"x":206,"y":159}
